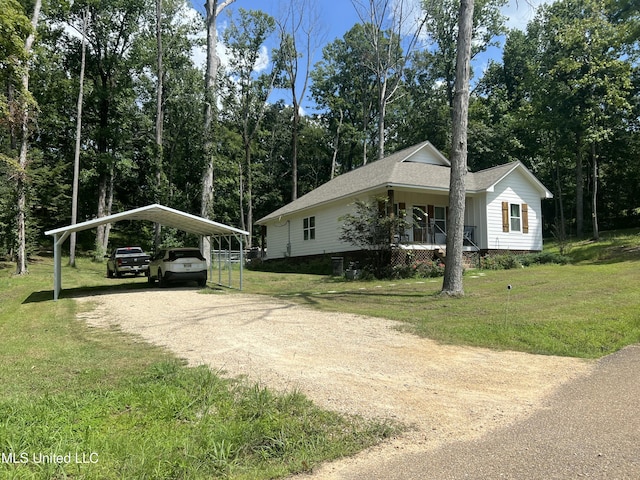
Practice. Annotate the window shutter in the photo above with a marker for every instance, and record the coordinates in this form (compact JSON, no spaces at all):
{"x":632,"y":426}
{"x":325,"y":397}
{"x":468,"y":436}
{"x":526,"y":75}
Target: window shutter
{"x":505,"y":216}
{"x":525,"y":218}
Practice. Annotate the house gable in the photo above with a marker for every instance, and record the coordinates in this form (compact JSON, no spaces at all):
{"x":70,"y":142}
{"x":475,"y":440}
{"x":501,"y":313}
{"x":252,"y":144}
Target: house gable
{"x":427,"y":154}
{"x":514,"y":194}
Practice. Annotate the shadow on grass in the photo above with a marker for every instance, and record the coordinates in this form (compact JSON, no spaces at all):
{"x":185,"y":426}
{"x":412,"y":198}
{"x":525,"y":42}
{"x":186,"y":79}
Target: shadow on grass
{"x":82,"y":292}
{"x":307,"y":298}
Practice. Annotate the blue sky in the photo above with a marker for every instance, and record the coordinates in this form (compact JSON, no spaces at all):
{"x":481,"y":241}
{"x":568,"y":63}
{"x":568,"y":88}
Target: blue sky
{"x":338,"y":16}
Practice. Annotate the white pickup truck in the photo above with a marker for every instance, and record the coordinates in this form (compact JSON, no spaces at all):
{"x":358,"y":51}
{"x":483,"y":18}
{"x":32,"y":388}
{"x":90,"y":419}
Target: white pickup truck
{"x":127,"y":260}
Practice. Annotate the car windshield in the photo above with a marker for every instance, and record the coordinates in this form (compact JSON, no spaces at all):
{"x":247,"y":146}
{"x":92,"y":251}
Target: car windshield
{"x":177,"y":254}
{"x":128,"y":251}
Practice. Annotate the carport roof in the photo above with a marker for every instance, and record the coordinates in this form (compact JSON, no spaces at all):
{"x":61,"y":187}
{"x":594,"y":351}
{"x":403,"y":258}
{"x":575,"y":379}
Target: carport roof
{"x":153,"y":213}
{"x":158,"y":214}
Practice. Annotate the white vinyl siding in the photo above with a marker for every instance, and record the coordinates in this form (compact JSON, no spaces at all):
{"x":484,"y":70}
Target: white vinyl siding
{"x":327,"y":229}
{"x":515,"y":190}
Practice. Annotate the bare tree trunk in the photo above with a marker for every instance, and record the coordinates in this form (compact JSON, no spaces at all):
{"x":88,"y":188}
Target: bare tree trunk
{"x":21,"y":257}
{"x":76,"y":158}
{"x":249,"y":227}
{"x":298,"y":28}
{"x":336,"y":146}
{"x":102,"y":211}
{"x":594,"y":197}
{"x":213,"y":64}
{"x":157,"y":228}
{"x":294,"y":151}
{"x":389,"y":62}
{"x":562,"y":227}
{"x":452,"y":284}
{"x":579,"y":189}
{"x":109,"y":210}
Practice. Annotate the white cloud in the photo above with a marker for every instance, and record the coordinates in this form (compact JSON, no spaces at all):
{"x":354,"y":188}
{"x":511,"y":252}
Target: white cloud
{"x":199,"y":51}
{"x":263,"y":61}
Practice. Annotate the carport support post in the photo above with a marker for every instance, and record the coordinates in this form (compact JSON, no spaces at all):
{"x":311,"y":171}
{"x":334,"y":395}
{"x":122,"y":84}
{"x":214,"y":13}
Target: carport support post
{"x":57,"y":264}
{"x":229,"y":264}
{"x":210,"y":260}
{"x":219,"y":238}
{"x":241,"y":259}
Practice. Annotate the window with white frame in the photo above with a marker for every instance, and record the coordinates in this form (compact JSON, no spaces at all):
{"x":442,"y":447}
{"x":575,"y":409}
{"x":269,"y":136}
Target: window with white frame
{"x":309,"y":228}
{"x":515,"y":217}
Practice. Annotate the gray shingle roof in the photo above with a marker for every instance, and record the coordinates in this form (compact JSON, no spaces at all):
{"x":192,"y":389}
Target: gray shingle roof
{"x":395,"y":171}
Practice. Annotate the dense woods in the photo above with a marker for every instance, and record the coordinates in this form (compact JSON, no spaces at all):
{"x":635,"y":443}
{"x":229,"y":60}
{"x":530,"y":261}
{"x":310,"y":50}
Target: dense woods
{"x":564,"y":98}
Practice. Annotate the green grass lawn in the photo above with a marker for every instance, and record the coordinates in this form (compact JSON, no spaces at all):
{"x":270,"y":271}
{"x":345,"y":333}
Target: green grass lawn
{"x":86,"y":403}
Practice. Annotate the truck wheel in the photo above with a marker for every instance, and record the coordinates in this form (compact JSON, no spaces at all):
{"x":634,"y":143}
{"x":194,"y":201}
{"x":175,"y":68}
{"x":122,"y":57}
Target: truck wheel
{"x":150,"y":279}
{"x":162,"y":283}
{"x":202,"y":282}
{"x":109,"y":273}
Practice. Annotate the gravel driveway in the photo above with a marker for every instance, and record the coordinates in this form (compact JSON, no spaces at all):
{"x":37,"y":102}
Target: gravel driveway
{"x":348,"y":363}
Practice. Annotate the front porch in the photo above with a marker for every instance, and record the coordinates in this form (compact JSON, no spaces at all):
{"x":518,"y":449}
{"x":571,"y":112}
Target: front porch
{"x":429,"y":243}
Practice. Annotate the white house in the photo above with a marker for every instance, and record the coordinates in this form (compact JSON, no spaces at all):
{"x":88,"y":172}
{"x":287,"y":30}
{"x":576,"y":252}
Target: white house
{"x":502,"y":213}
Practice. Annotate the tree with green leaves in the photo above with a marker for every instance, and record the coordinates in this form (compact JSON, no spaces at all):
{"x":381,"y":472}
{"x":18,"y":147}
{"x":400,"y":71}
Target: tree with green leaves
{"x":299,"y":33}
{"x":369,"y":228}
{"x":16,"y":28}
{"x":584,"y":86}
{"x":392,"y":35}
{"x":26,"y":107}
{"x":343,"y":86}
{"x":442,"y":27}
{"x":251,"y":77}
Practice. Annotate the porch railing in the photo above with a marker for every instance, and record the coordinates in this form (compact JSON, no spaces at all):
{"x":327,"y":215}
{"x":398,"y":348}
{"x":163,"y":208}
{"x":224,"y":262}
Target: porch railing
{"x":434,"y":235}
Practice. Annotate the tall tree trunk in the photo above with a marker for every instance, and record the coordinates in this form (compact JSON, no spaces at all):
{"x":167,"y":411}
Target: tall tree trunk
{"x":562,"y":233}
{"x":102,"y":211}
{"x":294,"y":150}
{"x":594,"y":197}
{"x":21,"y":186}
{"x":382,"y":111}
{"x":105,"y":204}
{"x":107,"y":227}
{"x":157,"y":228}
{"x":106,"y":169}
{"x":579,"y":189}
{"x":336,"y":146}
{"x":249,"y":227}
{"x":213,"y":64}
{"x":452,"y":284}
{"x":76,"y":158}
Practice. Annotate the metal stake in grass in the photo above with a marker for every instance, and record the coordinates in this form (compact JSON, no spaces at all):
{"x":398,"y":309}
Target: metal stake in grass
{"x":506,"y":307}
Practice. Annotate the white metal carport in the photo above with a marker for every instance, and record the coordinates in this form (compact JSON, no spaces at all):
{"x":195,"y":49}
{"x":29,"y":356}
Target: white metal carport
{"x":154,"y":213}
